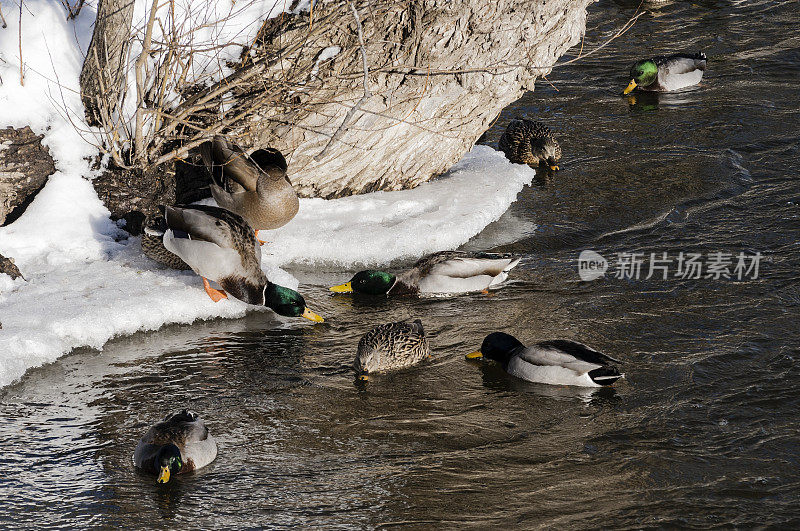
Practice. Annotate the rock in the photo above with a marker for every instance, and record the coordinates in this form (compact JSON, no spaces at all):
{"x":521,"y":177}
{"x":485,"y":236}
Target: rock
{"x":25,"y":165}
{"x":8,"y":267}
{"x":440,"y":71}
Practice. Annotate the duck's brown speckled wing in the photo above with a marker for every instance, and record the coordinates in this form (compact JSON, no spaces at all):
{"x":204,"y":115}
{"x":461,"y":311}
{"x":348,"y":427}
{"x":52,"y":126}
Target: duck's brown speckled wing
{"x":518,"y":137}
{"x":153,"y":244}
{"x":216,"y":225}
{"x":391,"y":346}
{"x":230,"y":167}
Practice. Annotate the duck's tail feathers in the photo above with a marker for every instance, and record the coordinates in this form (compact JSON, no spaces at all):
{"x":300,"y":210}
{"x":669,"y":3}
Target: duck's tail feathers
{"x":503,"y":275}
{"x":605,"y":375}
{"x":156,"y":226}
{"x":511,"y":265}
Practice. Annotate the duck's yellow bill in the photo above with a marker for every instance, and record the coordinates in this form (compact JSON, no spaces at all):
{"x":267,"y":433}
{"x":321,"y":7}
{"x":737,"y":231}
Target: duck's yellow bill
{"x":347,"y":287}
{"x":308,"y":314}
{"x":164,"y":476}
{"x":363,"y":377}
{"x":475,"y":355}
{"x":554,"y":168}
{"x":630,"y":87}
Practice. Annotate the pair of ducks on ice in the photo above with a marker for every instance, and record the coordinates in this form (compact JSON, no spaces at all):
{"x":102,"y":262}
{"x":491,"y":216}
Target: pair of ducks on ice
{"x":181,"y":443}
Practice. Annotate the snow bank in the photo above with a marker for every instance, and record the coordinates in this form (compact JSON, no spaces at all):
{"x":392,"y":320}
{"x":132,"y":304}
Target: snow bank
{"x":381,"y":227}
{"x":49,"y":101}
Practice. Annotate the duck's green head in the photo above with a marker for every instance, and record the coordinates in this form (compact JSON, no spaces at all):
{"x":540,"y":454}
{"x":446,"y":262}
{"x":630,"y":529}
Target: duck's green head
{"x":497,"y":346}
{"x":287,"y":302}
{"x":168,"y":461}
{"x":643,"y":73}
{"x":370,"y":282}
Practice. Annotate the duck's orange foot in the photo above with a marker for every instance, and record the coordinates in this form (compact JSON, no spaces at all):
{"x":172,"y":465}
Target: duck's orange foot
{"x":215,"y":294}
{"x":487,"y":293}
{"x":259,"y":240}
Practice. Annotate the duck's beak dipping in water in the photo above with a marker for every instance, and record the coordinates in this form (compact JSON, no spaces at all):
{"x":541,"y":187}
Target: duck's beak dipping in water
{"x":347,"y":287}
{"x":308,"y":314}
{"x":630,"y":87}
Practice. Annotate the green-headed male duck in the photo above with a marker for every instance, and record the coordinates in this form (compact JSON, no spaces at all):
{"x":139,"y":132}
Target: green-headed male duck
{"x":442,"y":272}
{"x":664,"y":74}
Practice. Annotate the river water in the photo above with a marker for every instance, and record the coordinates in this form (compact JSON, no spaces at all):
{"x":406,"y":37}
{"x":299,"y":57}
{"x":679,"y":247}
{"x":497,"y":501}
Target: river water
{"x":702,"y":432}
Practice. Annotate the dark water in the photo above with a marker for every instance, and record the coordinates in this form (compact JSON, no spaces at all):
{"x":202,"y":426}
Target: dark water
{"x":703,"y":432}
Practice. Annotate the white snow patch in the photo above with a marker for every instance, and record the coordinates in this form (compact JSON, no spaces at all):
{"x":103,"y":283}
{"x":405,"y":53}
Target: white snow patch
{"x":326,"y":54}
{"x":49,"y":101}
{"x":381,"y":227}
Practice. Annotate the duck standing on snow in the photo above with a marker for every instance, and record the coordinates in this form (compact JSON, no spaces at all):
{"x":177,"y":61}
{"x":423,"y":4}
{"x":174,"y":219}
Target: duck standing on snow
{"x":531,"y":143}
{"x":256,"y":186}
{"x":220,"y":245}
{"x":664,"y":74}
{"x":558,"y":362}
{"x":391,"y":346}
{"x":179,"y":444}
{"x":442,"y":272}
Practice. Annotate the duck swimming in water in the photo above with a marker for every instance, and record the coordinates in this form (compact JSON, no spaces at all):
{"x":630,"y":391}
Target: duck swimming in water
{"x":178,"y":444}
{"x":442,"y":272}
{"x":664,"y":74}
{"x":558,"y":362}
{"x":532,"y":143}
{"x":391,"y":346}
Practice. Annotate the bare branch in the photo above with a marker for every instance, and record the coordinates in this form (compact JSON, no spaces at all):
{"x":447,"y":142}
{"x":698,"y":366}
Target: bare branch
{"x":140,"y":64}
{"x":21,"y":63}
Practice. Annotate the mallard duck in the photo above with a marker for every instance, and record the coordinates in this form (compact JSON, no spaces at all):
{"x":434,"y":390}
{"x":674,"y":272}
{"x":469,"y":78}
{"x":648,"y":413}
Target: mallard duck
{"x":256,"y":186}
{"x":558,"y":362}
{"x":391,"y":346}
{"x":531,"y":143}
{"x":178,"y":444}
{"x":663,"y":74}
{"x":220,"y":245}
{"x":442,"y":272}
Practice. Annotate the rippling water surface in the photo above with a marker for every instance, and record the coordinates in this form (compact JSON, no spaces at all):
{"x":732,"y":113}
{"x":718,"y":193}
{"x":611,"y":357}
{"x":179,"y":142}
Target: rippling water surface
{"x":703,"y":431}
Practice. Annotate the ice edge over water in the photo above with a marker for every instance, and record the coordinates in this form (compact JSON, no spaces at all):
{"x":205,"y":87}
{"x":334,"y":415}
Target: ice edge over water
{"x":84,"y":288}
